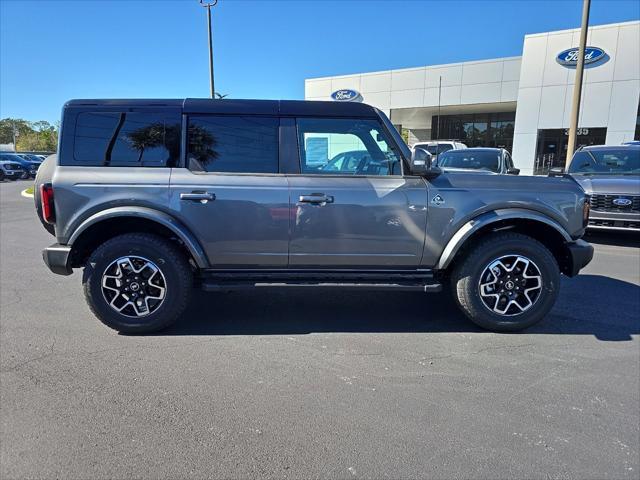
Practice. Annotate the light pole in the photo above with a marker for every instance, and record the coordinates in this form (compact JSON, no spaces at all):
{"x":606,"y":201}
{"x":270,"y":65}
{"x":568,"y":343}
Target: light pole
{"x":208,"y":5}
{"x":15,"y":134}
{"x":577,"y":88}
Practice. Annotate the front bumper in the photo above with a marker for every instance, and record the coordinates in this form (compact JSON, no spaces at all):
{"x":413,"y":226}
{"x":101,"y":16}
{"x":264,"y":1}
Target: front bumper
{"x":12,"y":173}
{"x":580,"y":253}
{"x":629,"y":221}
{"x":56,"y":257}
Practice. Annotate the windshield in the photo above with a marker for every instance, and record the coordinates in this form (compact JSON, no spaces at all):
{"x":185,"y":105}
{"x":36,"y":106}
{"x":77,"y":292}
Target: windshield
{"x":346,"y":161}
{"x":606,"y":162}
{"x":435,"y":149}
{"x":475,"y":160}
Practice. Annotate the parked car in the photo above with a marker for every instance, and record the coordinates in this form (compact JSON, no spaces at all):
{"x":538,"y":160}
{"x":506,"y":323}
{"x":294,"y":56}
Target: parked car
{"x":29,"y":167}
{"x":238,"y":207}
{"x":436,"y":147}
{"x":487,"y":160}
{"x":10,"y":170}
{"x":611,"y":177}
{"x":31,"y":157}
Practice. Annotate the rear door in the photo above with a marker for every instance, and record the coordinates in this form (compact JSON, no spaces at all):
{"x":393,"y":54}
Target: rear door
{"x":351,"y":205}
{"x":230,"y":194}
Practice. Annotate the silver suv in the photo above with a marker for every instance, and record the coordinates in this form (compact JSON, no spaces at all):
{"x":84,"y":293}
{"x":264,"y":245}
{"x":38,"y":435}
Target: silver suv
{"x":154,"y":197}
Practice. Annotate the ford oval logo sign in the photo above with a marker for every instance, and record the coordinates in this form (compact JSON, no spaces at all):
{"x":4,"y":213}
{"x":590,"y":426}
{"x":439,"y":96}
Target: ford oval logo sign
{"x":569,"y":57}
{"x":622,"y":202}
{"x":345,"y":95}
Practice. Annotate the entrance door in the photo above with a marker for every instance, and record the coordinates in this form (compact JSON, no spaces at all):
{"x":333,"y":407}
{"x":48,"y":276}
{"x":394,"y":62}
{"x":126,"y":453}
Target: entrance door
{"x":353,"y":207}
{"x":552,"y":146}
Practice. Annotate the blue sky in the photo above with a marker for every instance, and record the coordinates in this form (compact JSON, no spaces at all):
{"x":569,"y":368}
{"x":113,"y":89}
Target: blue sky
{"x":51,"y":51}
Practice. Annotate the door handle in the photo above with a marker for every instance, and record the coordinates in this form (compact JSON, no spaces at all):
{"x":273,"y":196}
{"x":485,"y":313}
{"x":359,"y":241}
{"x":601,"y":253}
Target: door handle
{"x":316,"y":198}
{"x":202,"y":197}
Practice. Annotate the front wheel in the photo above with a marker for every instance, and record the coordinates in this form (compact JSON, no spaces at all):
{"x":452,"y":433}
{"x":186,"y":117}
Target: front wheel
{"x":507,"y":282}
{"x":137,"y":283}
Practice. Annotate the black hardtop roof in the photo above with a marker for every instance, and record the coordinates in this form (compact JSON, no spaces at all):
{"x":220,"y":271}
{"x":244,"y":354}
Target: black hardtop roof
{"x":239,"y":107}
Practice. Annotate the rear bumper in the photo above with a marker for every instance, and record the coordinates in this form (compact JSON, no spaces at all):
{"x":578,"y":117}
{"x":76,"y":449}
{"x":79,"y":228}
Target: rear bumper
{"x":580,"y":254}
{"x":56,"y":257}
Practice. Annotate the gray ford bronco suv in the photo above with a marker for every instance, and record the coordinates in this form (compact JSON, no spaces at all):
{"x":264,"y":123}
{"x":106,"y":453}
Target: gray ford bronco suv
{"x":155,"y":197}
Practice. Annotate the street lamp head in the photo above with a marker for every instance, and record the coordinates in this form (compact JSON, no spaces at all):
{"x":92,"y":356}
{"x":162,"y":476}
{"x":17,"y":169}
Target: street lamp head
{"x":207,"y":4}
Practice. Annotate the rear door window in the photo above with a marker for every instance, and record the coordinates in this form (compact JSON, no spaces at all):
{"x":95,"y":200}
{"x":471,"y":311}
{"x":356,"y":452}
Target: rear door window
{"x":126,"y":139}
{"x":232,"y":144}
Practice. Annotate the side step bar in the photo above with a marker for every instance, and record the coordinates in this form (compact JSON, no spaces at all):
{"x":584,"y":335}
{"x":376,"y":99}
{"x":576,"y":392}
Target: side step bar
{"x":397,"y":280}
{"x":209,"y":286}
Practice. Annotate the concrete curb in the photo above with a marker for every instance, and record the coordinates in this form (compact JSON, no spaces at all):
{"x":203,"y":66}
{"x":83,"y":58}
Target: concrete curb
{"x":25,"y":194}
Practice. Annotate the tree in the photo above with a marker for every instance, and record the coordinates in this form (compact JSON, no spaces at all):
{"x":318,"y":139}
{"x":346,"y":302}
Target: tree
{"x":38,"y":136}
{"x":146,"y":137}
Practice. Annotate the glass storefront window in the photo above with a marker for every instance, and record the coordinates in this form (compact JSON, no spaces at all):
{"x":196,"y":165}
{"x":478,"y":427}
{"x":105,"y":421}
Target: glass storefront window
{"x":552,"y":146}
{"x":476,"y":130}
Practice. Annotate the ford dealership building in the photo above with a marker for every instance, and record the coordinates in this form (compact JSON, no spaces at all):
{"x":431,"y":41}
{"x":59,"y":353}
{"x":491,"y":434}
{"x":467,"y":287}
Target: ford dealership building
{"x":519,"y":103}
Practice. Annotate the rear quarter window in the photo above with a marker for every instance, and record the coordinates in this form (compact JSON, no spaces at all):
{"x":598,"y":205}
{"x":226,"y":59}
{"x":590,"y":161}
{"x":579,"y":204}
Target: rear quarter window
{"x":126,"y":139}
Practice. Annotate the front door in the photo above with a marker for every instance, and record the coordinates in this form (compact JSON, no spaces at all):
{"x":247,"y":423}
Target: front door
{"x":351,"y":205}
{"x":230,"y":193}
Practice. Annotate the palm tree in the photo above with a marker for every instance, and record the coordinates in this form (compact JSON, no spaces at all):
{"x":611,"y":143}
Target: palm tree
{"x":151,"y":136}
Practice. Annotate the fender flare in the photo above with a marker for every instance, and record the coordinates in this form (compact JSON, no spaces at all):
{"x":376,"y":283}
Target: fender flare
{"x":157,"y":216}
{"x":475,"y":224}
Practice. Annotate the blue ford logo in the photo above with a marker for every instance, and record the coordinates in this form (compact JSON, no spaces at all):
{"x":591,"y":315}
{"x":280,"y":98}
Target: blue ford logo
{"x":569,"y":57}
{"x":622,"y":202}
{"x":345,"y":95}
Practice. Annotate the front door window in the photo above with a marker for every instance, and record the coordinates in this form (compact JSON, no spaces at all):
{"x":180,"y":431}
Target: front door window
{"x":345,"y":147}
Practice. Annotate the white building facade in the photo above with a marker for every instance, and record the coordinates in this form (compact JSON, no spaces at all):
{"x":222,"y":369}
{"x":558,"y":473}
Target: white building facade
{"x":519,"y":103}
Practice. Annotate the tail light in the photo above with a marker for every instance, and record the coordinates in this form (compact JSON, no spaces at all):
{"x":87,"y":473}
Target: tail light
{"x":46,"y":201}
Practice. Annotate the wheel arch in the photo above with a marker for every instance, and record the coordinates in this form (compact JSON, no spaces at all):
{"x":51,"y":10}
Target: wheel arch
{"x":119,"y":220}
{"x":533,"y":224}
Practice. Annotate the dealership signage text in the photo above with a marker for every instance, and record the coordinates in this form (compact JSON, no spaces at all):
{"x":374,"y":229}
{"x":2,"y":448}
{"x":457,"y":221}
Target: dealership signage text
{"x":569,"y":57}
{"x":345,"y":95}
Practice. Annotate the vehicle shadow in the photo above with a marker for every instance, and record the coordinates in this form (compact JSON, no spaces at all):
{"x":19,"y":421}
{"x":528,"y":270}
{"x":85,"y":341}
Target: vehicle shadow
{"x":615,"y":239}
{"x":595,"y":305}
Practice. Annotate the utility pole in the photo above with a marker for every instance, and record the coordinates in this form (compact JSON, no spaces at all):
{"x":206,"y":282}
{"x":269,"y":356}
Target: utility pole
{"x":577,"y":88}
{"x":439,"y":101}
{"x":15,"y":134}
{"x":208,"y":6}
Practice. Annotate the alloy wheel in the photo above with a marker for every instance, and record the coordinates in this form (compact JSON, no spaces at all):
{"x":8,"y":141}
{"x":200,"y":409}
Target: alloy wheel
{"x":133,"y":286}
{"x":510,"y":285}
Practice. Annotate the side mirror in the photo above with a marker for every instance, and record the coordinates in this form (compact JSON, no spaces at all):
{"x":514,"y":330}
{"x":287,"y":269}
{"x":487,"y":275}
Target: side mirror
{"x":556,"y":172}
{"x":513,"y":171}
{"x":422,"y":164}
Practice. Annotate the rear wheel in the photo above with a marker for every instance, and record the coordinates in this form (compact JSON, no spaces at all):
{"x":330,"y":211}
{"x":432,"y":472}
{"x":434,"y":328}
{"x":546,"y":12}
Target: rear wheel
{"x":507,"y":282}
{"x":137,"y":283}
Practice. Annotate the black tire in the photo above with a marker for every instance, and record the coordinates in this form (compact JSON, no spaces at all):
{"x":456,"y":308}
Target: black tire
{"x":466,"y":276}
{"x":1,"y":175}
{"x":173,"y":265}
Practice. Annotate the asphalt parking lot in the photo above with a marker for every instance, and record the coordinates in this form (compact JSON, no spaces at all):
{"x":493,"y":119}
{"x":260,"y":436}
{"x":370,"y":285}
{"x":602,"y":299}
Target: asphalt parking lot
{"x":315,"y":384}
